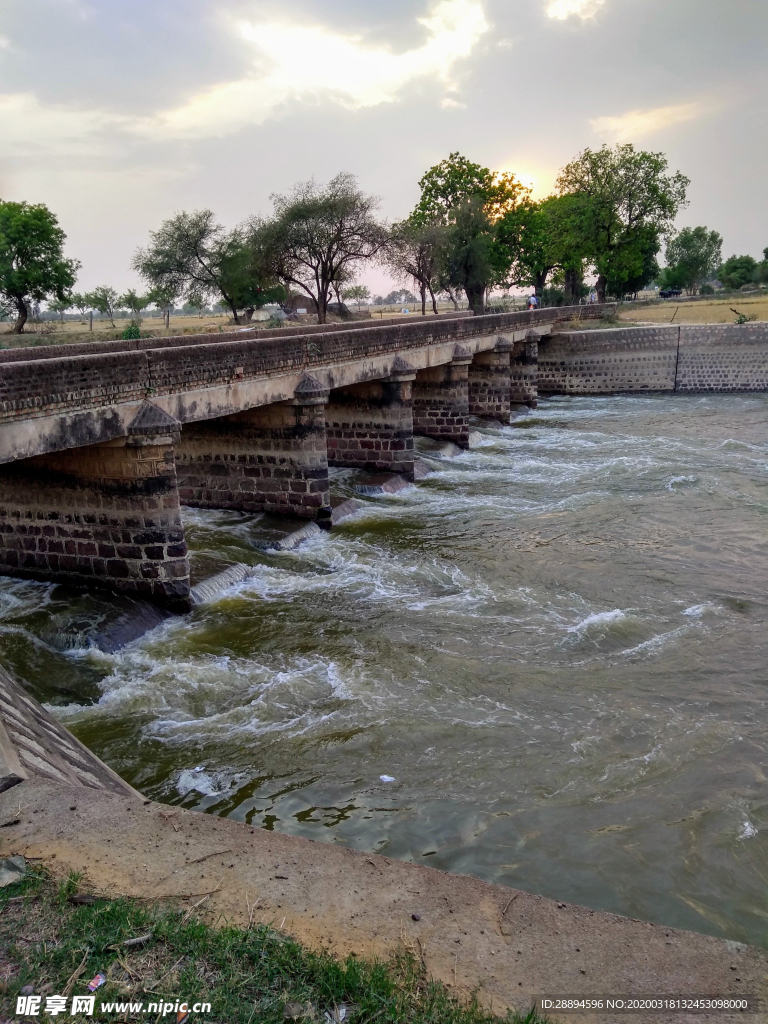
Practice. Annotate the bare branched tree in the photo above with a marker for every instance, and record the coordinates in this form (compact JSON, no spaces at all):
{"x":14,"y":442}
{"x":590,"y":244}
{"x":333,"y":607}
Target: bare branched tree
{"x":414,"y":251}
{"x":317,"y":236}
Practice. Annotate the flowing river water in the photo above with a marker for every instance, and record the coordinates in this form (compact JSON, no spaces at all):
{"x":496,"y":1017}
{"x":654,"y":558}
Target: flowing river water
{"x":555,"y":646}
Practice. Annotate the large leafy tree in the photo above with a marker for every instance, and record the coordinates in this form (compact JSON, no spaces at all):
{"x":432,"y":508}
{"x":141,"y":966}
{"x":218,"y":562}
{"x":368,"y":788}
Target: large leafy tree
{"x":637,"y":265}
{"x":738,"y":271}
{"x":693,"y":255}
{"x":534,"y":238}
{"x":33,"y":267}
{"x":191,"y":255}
{"x":473,"y":259}
{"x":317,"y":237}
{"x":449,"y":184}
{"x":620,"y":197}
{"x":468,"y":201}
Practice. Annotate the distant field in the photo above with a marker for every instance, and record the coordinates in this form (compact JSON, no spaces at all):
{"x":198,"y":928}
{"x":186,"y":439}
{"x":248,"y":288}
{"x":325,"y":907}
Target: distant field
{"x":701,"y":311}
{"x":704,"y":311}
{"x":76,"y":331}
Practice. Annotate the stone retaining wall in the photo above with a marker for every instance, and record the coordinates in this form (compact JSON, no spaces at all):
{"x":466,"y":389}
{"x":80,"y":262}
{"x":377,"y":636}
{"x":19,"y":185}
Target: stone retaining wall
{"x":603,"y":362}
{"x":720,"y":357}
{"x":723,"y":357}
{"x":33,"y":744}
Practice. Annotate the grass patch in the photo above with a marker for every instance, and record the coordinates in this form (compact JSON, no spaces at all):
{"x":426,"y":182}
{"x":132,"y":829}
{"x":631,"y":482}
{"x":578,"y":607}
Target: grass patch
{"x":253,"y":976}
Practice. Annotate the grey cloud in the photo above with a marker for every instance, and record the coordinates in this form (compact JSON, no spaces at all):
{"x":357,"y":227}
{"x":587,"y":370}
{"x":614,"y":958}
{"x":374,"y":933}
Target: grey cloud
{"x":528,"y":105}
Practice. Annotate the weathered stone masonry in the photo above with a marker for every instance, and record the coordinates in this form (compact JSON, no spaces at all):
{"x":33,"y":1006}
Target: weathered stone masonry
{"x":269,"y":459}
{"x":370,"y":426}
{"x":441,"y":399}
{"x":717,"y":358}
{"x":101,"y":516}
{"x":524,"y":372}
{"x":489,"y":382}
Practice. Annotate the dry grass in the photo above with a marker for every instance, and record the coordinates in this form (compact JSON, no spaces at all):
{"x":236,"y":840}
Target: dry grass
{"x":701,"y":311}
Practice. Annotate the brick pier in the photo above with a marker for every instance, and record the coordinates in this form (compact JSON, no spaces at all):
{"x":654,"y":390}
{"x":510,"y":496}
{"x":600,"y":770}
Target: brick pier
{"x":104,"y":516}
{"x":269,"y":459}
{"x":489,"y":382}
{"x":370,"y":426}
{"x":441,"y":400}
{"x":524,"y":372}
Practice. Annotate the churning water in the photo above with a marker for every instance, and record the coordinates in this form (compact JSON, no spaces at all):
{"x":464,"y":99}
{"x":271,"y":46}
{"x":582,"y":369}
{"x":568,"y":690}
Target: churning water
{"x":555,"y":646}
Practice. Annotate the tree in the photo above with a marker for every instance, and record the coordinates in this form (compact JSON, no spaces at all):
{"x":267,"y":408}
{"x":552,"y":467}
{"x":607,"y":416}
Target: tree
{"x":317,"y":236}
{"x":415,"y":250}
{"x":693,"y":255}
{"x":468,"y":201}
{"x":358,"y":293}
{"x":61,"y":306}
{"x":453,"y":181}
{"x":81,"y":303}
{"x":526,"y":233}
{"x":104,"y":300}
{"x":248,"y":284}
{"x":163,"y":298}
{"x":135,"y":303}
{"x":191,"y":254}
{"x":738,"y":271}
{"x":637,"y":265}
{"x":619,"y":195}
{"x":471,"y":254}
{"x":33,"y":267}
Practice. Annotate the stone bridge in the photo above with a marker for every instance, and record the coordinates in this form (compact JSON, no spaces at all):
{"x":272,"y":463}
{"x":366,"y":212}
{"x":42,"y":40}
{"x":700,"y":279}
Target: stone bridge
{"x":101,"y":444}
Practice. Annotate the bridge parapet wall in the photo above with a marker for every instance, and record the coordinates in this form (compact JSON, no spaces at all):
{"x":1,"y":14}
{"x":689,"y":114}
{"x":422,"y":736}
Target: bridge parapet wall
{"x":37,"y":383}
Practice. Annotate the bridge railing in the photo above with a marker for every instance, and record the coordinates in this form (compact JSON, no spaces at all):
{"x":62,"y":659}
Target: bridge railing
{"x":50,"y":384}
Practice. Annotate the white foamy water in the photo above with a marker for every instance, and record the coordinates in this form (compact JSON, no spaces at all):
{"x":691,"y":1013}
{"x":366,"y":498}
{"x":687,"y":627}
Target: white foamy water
{"x":555,"y":645}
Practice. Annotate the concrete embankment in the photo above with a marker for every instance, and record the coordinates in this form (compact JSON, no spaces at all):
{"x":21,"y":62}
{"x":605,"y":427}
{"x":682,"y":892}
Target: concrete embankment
{"x":61,"y":805}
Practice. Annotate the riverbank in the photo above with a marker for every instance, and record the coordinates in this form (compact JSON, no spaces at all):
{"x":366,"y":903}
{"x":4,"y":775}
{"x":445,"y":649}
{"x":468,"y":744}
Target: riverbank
{"x":150,"y":953}
{"x":507,"y":946}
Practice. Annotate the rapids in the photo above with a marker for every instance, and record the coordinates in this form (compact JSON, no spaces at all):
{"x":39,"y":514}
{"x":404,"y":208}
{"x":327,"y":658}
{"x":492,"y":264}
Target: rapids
{"x":555,"y":645}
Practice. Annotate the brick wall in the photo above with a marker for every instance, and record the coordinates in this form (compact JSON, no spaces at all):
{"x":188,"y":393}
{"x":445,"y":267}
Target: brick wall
{"x":691,"y":357}
{"x":524,"y":373}
{"x":271,"y":459}
{"x":723,"y":357}
{"x":441,"y":401}
{"x":102,"y":516}
{"x":370,"y":426}
{"x":489,"y":384}
{"x":602,"y":362}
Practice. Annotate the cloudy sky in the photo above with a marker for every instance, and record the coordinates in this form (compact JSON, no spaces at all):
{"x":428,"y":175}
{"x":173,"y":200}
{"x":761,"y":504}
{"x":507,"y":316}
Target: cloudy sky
{"x":117,"y":113}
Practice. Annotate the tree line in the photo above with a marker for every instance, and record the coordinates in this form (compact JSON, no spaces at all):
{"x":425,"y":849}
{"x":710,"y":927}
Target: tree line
{"x":473,"y":231}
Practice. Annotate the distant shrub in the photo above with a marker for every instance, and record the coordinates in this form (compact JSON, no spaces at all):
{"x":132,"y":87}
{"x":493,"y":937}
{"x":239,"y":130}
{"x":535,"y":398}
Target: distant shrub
{"x":130,"y":333}
{"x":706,"y":289}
